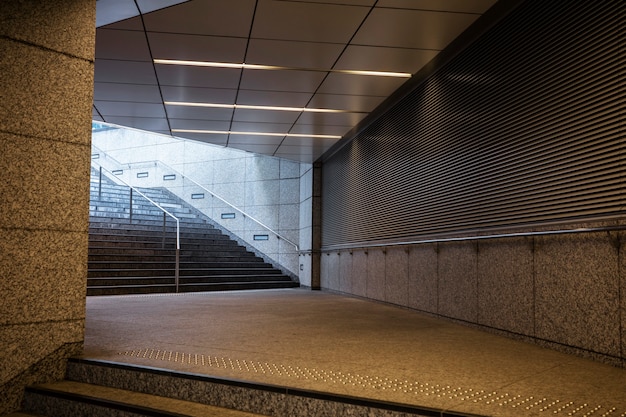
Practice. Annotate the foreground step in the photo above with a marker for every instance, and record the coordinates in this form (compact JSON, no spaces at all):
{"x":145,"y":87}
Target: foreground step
{"x":252,"y":397}
{"x":77,"y":398}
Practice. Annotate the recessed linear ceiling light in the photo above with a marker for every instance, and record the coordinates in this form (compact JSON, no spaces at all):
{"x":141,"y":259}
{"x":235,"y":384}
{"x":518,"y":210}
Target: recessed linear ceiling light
{"x":274,"y":68}
{"x":254,"y":107}
{"x":230,"y":132}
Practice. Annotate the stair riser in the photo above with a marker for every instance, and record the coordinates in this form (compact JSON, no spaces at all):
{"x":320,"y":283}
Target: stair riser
{"x":139,"y":256}
{"x":160,"y":264}
{"x":48,"y":406}
{"x":216,"y":254}
{"x":157,"y":238}
{"x":170,"y":280}
{"x":168,"y":245}
{"x":246,"y":261}
{"x":169,"y":271}
{"x":250,"y":397}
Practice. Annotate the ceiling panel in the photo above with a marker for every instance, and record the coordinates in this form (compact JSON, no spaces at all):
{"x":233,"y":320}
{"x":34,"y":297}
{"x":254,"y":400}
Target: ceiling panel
{"x":265,"y":116}
{"x":198,"y":113}
{"x":201,"y":17}
{"x":199,"y":94}
{"x":181,"y":75}
{"x":261,"y":127}
{"x":147,"y":6}
{"x":108,"y":43}
{"x":462,"y":6}
{"x":360,"y":85}
{"x":348,"y":102}
{"x":318,"y":129}
{"x":332,"y":119}
{"x":412,"y":28}
{"x":293,"y":54}
{"x":110,"y":11}
{"x":311,"y":40}
{"x":348,"y":2}
{"x":127,"y":92}
{"x":376,"y":58}
{"x":134,"y":23}
{"x":197,"y":47}
{"x":126,"y":72}
{"x":298,"y":81}
{"x":276,"y":98}
{"x":144,"y":123}
{"x":191,"y":124}
{"x":124,"y":108}
{"x":315,"y":22}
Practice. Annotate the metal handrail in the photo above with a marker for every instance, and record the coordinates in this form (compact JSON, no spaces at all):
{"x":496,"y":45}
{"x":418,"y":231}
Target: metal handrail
{"x":275,"y":233}
{"x":168,"y":168}
{"x":165,"y":212}
{"x":478,"y":237}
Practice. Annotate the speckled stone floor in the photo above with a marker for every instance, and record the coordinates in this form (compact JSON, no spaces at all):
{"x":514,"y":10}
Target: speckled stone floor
{"x":331,"y":343}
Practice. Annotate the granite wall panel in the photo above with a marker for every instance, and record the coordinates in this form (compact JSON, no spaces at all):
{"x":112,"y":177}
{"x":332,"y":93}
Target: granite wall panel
{"x":359,"y":273}
{"x":52,"y":24}
{"x":45,"y":93}
{"x":506,"y":285}
{"x":345,"y":271}
{"x":397,"y":276}
{"x":32,"y":342}
{"x":42,"y":268}
{"x":50,"y":177}
{"x":457,"y":281}
{"x":422,"y":287}
{"x":332,"y":270}
{"x":577,"y":291}
{"x":376,"y":260}
{"x":46,"y":71}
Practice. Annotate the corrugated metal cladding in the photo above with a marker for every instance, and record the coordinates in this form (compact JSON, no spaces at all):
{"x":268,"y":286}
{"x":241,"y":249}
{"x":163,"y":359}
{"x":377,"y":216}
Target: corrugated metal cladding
{"x":526,"y":125}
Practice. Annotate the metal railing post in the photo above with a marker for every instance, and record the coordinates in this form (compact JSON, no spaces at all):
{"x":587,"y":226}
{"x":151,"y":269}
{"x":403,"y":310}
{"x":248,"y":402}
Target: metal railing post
{"x":100,"y":184}
{"x":131,"y":204}
{"x":177,"y":267}
{"x":163,"y":242}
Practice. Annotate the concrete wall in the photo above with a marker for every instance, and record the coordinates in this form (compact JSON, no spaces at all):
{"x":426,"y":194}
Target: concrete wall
{"x":267,"y":189}
{"x":563,"y":291}
{"x":46,"y":78}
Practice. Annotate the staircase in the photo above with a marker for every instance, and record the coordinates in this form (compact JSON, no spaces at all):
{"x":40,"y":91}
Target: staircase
{"x":139,"y":256}
{"x":101,"y":389}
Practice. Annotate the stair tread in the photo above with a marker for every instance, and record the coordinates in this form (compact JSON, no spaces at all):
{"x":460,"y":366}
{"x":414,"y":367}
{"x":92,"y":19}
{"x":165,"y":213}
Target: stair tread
{"x":209,"y":259}
{"x":116,"y":396}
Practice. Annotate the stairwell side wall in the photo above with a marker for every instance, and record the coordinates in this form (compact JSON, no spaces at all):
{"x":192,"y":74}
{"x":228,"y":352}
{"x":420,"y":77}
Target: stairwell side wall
{"x":266,"y":188}
{"x":46,"y":74}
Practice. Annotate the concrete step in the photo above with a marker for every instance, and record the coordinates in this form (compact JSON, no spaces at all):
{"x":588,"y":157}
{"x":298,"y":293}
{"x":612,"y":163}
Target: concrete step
{"x":65,"y":398}
{"x":138,"y":256}
{"x":169,"y":262}
{"x":108,"y":254}
{"x":236,"y":394}
{"x":152,"y":270}
{"x":199,"y":287}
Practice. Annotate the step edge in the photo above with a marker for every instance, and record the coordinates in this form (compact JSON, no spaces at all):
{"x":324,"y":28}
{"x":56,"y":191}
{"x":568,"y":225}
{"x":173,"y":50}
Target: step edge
{"x":278,"y":389}
{"x":116,"y":405}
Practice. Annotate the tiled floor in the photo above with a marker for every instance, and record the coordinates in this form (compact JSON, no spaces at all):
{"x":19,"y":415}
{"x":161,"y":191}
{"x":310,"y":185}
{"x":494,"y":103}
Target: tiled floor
{"x":327,"y":342}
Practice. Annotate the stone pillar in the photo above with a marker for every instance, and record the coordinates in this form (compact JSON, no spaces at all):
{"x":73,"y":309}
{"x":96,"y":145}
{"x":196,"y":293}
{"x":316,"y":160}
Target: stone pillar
{"x":46,"y":88}
{"x":316,"y":243}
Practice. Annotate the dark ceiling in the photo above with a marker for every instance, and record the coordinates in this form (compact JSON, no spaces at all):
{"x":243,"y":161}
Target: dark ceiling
{"x":274,"y":77}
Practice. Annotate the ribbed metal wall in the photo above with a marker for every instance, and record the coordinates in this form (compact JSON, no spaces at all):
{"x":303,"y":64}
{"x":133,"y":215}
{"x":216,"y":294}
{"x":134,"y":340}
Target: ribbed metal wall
{"x":524,"y":126}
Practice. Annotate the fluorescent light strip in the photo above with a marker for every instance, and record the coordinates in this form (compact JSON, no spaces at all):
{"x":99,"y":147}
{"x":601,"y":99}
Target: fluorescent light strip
{"x":272,"y":67}
{"x":230,"y":132}
{"x":251,"y":107}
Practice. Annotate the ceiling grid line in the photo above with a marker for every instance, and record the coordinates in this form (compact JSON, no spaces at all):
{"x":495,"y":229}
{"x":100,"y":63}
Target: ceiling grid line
{"x":294,"y":37}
